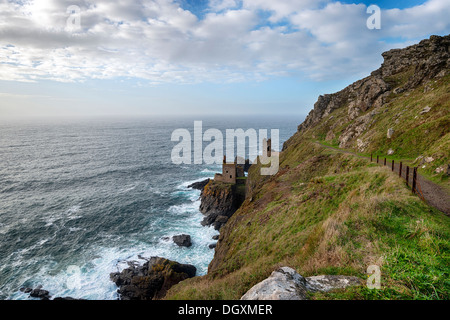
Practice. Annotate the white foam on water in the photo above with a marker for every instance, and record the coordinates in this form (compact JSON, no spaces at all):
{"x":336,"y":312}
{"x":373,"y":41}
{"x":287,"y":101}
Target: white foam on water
{"x":93,"y":282}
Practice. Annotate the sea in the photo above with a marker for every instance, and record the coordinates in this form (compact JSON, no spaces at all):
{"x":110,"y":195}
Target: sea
{"x":82,"y":198}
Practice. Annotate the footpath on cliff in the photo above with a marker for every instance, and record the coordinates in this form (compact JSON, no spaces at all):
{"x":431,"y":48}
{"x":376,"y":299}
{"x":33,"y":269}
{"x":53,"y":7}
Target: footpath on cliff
{"x":433,"y":194}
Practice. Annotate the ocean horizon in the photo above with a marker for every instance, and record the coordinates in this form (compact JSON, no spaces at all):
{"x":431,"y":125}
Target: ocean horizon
{"x":83,"y":198}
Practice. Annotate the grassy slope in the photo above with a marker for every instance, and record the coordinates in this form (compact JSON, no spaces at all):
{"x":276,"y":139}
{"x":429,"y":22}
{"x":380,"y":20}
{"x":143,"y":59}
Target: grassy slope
{"x":415,"y":134}
{"x":334,"y":213}
{"x":330,"y":214}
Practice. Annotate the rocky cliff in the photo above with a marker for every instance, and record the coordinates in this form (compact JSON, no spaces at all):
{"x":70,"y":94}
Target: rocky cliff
{"x":403,"y":70}
{"x":219,"y":201}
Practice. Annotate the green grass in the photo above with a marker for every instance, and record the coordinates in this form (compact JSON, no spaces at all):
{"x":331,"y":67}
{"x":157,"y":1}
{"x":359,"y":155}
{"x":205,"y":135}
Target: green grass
{"x":336,"y":214}
{"x":327,"y":212}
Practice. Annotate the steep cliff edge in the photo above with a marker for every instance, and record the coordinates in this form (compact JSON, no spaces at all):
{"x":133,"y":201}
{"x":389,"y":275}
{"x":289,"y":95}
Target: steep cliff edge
{"x":328,"y":212}
{"x":401,"y":110}
{"x":219,"y":201}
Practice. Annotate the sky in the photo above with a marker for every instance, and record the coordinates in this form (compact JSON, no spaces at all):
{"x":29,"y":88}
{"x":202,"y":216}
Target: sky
{"x":204,"y":57}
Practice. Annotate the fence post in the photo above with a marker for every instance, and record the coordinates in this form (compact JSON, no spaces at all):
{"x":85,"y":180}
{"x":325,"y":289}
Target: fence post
{"x":384,"y":161}
{"x":400,"y":171}
{"x":393,"y":165}
{"x":377,"y":159}
{"x":371,"y":157}
{"x":407,"y":176}
{"x":414,"y":184}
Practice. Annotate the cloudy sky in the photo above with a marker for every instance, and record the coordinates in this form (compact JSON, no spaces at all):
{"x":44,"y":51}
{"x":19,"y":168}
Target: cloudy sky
{"x":145,"y":57}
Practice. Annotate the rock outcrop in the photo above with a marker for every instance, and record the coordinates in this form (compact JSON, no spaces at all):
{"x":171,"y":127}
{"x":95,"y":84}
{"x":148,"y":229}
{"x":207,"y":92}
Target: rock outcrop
{"x":286,"y":284}
{"x":218,"y":203}
{"x":183,"y":240}
{"x":283,"y":284}
{"x":199,"y":185}
{"x":151,"y":280}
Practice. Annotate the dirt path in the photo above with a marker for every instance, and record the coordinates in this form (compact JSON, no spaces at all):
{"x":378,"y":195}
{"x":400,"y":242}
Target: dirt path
{"x":433,"y":194}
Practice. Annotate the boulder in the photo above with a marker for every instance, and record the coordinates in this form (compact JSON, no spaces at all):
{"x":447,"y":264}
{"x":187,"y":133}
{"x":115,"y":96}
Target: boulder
{"x":286,"y":284}
{"x":283,"y":284}
{"x":216,"y":237}
{"x":152,"y":280}
{"x":425,"y":110}
{"x":40,"y":293}
{"x":183,"y":240}
{"x":213,"y":245}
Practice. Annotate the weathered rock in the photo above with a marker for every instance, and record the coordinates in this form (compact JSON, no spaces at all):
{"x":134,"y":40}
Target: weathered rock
{"x":152,"y":280}
{"x":218,"y":199}
{"x":440,"y":169}
{"x":40,"y":293}
{"x":425,"y":110}
{"x":390,"y":133}
{"x":286,"y":284}
{"x":283,"y":284}
{"x":216,"y":237}
{"x":362,"y":145}
{"x":426,"y":61}
{"x":213,"y":246}
{"x":220,"y":222}
{"x":183,"y":240}
{"x":199,"y":185}
{"x":329,"y":283}
{"x":26,"y":290}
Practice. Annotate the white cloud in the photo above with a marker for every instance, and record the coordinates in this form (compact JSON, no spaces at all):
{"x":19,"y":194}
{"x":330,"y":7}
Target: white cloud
{"x":160,"y":42}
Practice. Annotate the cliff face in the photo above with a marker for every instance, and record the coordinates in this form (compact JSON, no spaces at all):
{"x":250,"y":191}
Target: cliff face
{"x":403,"y":70}
{"x":219,"y":202}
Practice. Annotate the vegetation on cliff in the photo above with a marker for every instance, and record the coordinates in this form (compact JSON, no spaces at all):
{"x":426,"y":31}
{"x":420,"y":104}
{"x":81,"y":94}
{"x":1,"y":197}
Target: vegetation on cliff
{"x":327,"y":212}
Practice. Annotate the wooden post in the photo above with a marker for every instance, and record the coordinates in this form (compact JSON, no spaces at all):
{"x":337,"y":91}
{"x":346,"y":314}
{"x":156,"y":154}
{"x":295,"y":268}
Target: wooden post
{"x":407,"y":176}
{"x":384,"y":161}
{"x":400,"y":171}
{"x":393,"y":165}
{"x":378,"y":159}
{"x":414,"y":184}
{"x":371,"y":157}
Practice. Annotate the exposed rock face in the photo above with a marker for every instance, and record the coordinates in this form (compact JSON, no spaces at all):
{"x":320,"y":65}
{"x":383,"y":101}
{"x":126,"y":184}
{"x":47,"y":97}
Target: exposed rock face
{"x":218,"y":203}
{"x":428,"y":60}
{"x":329,"y":283}
{"x":286,"y":284}
{"x":152,"y":280}
{"x":183,"y":240}
{"x":199,"y":185}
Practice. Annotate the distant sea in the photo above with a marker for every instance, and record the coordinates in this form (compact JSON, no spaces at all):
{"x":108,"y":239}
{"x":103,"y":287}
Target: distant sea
{"x":79,"y":199}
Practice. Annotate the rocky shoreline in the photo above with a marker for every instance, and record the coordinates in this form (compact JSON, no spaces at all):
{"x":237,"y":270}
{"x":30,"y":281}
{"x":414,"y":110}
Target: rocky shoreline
{"x":157,"y":275}
{"x":151,"y":280}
